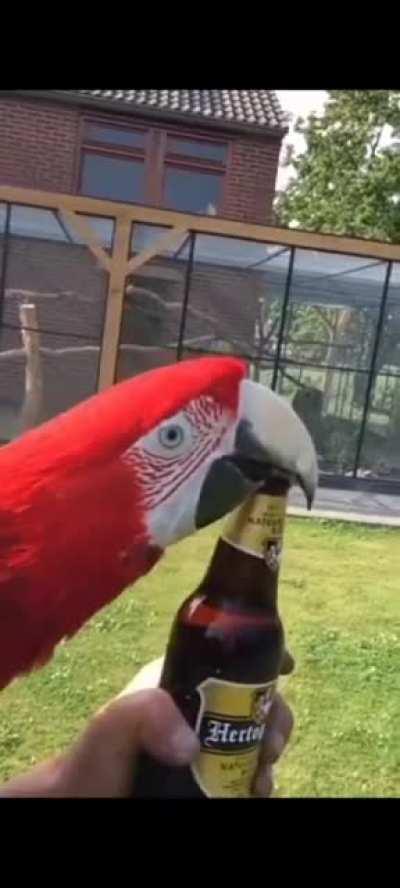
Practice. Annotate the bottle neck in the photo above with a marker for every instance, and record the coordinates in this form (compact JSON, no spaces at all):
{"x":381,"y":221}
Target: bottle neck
{"x":246,"y":561}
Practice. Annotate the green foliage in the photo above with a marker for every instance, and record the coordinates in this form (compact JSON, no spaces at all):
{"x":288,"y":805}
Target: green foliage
{"x":347,"y":183}
{"x":339,"y":602}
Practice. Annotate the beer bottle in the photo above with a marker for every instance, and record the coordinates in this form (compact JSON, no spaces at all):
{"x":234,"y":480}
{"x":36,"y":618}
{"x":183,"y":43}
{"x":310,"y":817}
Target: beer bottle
{"x":224,"y":656}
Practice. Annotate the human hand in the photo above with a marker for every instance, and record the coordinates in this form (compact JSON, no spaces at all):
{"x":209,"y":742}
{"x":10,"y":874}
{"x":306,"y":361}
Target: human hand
{"x":101,"y":764}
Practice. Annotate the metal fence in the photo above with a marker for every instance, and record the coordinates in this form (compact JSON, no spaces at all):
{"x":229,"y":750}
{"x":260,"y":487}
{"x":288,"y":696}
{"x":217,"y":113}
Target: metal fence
{"x":92,"y":292}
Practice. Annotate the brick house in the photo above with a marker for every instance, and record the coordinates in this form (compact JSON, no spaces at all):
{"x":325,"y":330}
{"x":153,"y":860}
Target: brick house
{"x":199,"y":151}
{"x":194,"y":150}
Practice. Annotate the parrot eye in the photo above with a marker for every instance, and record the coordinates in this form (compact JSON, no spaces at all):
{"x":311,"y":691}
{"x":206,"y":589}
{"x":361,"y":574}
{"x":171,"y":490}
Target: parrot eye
{"x":171,"y":435}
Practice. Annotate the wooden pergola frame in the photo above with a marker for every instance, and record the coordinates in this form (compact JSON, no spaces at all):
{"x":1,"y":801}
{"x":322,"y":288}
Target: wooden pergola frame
{"x":73,"y":208}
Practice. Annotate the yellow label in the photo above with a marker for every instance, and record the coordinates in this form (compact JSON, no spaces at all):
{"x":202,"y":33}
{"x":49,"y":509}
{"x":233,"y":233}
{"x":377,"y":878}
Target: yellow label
{"x":258,"y":526}
{"x":230,"y":726}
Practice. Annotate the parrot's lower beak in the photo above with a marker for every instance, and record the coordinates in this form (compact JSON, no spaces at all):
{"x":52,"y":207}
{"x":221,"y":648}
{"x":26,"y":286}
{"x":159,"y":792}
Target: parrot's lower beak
{"x":270,"y":441}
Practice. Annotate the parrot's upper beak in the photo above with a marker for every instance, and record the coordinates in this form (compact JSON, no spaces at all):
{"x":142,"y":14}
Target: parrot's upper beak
{"x":270,"y":440}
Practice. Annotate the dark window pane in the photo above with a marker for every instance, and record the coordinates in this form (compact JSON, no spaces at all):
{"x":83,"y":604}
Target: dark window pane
{"x":152,"y":312}
{"x":2,"y":218}
{"x":113,"y":135}
{"x":145,"y":236}
{"x":235,"y":300}
{"x":330,"y":403}
{"x":61,"y":278}
{"x":55,"y":286}
{"x":115,"y":178}
{"x":380,"y":452}
{"x":202,"y":150}
{"x":333,"y":309}
{"x":35,"y":222}
{"x":194,"y":192}
{"x":69,"y":370}
{"x":388,"y":357}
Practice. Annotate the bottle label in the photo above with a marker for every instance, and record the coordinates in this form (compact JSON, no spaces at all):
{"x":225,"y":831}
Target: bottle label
{"x":230,"y":726}
{"x":257,"y":528}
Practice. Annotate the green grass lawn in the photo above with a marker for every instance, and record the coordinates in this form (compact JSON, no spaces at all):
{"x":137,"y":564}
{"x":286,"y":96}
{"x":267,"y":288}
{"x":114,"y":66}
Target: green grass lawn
{"x":339,"y":595}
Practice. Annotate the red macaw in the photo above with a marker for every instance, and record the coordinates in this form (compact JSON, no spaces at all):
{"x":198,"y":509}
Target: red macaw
{"x":90,"y":499}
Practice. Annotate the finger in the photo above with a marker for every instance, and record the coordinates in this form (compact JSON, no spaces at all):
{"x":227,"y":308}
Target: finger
{"x":263,"y":784}
{"x":288,"y":664}
{"x":278,"y":729}
{"x":103,"y":761}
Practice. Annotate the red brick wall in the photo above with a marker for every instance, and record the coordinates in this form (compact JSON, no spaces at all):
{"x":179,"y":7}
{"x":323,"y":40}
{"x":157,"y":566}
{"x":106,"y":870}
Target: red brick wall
{"x":39,"y":146}
{"x":250,"y":186}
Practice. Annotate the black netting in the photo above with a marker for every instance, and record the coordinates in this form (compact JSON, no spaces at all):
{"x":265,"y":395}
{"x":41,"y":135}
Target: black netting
{"x":236,"y":294}
{"x":333,"y":309}
{"x":3,"y":212}
{"x":55,"y":295}
{"x":380,"y":452}
{"x":305,"y":320}
{"x":330,"y":403}
{"x":388,"y":357}
{"x":153,"y":305}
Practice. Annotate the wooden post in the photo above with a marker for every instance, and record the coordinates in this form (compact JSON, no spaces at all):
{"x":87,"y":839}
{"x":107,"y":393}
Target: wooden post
{"x":168,"y":240}
{"x":83,"y":229}
{"x":32,"y":409}
{"x":121,"y":266}
{"x":115,"y":303}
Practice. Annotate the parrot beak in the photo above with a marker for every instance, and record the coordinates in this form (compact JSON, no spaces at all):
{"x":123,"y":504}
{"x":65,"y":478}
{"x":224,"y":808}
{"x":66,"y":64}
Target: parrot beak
{"x":270,"y":441}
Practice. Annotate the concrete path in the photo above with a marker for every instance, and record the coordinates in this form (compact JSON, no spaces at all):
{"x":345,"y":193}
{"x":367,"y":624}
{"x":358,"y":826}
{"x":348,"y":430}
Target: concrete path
{"x":349,"y":505}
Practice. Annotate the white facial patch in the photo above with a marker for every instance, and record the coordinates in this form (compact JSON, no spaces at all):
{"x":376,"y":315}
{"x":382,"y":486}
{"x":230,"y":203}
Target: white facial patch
{"x":172,"y":462}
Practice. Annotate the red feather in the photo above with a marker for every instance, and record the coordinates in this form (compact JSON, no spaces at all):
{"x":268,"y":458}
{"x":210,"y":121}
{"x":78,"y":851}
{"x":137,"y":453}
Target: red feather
{"x":72,"y":535}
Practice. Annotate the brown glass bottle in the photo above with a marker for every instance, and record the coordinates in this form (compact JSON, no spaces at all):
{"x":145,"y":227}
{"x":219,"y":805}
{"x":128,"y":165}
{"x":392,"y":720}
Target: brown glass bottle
{"x":224,"y":656}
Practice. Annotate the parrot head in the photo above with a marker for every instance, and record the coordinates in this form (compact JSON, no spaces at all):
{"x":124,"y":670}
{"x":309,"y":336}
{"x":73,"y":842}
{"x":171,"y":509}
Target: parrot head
{"x":90,"y":499}
{"x":200,"y":461}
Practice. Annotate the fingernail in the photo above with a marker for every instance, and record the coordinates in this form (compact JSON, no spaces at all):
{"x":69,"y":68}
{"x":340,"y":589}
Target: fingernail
{"x":184,"y":744}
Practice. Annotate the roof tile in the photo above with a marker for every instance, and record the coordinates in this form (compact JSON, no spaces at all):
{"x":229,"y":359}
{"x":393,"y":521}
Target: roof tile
{"x":253,"y":107}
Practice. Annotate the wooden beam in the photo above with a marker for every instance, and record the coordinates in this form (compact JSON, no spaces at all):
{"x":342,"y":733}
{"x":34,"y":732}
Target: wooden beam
{"x":168,"y":240}
{"x":203,"y":224}
{"x":83,"y":228}
{"x":58,"y":201}
{"x":115,"y":303}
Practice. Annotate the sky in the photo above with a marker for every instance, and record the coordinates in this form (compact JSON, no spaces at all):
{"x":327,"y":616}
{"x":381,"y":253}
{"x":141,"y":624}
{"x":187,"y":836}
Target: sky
{"x":298,"y":103}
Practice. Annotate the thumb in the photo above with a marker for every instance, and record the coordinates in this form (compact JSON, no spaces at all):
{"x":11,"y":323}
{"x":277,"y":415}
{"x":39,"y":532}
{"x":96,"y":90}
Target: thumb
{"x":102,"y":763}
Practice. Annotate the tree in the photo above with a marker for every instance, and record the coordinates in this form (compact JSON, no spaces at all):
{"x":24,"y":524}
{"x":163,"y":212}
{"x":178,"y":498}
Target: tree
{"x":348,"y":182}
{"x":348,"y":179}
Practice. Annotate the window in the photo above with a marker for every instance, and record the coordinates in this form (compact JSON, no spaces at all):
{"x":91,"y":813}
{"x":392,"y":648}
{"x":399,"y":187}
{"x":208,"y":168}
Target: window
{"x":115,"y":178}
{"x":192,"y":190}
{"x":154,"y":167}
{"x":113,"y":162}
{"x":201,"y":150}
{"x":193,"y":175}
{"x":113,"y":135}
